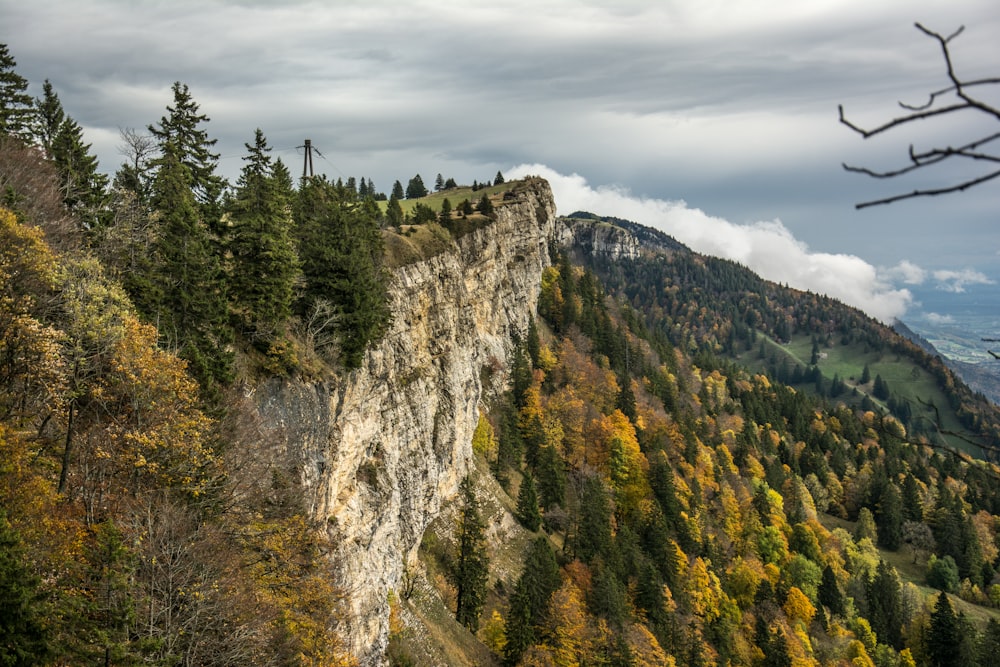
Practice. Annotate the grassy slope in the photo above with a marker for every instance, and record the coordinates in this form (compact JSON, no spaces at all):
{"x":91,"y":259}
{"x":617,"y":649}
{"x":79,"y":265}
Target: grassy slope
{"x":906,"y":379}
{"x":915,"y":573}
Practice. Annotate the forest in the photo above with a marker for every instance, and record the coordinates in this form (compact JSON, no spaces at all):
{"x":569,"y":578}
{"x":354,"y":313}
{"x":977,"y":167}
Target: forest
{"x":688,"y":492}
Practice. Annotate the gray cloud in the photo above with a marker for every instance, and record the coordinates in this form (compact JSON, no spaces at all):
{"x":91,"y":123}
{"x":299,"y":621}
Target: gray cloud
{"x":728,"y":106}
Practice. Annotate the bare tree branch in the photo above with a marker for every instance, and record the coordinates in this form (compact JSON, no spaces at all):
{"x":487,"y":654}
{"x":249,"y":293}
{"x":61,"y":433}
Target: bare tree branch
{"x":925,"y":158}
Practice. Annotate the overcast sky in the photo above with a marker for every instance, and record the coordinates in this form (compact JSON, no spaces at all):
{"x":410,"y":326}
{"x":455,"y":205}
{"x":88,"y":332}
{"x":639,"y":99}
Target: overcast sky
{"x":713,"y":120}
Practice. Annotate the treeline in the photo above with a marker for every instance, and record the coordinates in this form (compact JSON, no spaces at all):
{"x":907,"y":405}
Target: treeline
{"x":686,"y":511}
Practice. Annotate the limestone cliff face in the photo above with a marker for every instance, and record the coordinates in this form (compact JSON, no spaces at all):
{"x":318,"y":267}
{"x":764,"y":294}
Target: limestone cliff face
{"x":380,"y":449}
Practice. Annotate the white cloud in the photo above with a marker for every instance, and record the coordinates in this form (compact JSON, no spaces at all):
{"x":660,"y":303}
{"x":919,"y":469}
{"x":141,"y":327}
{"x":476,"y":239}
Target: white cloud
{"x":905,"y":272}
{"x":957,"y":281}
{"x":937,"y":318}
{"x":767,"y":247}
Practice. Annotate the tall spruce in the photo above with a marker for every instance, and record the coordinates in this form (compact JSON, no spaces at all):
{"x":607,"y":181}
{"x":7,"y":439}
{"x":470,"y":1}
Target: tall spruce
{"x":529,"y":604}
{"x":264,"y":261}
{"x":17,"y":112}
{"x":944,"y":636}
{"x":182,"y":127}
{"x":188,"y":301}
{"x":885,"y":605}
{"x":50,"y":117}
{"x":341,"y":249}
{"x":527,"y":504}
{"x":23,"y":633}
{"x":472,"y":563}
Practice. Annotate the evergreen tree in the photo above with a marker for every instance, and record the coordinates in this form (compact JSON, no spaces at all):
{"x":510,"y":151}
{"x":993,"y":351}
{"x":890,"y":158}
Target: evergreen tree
{"x":532,"y":343}
{"x":188,"y":300}
{"x":913,"y":509}
{"x":498,"y":179}
{"x":472,"y":563}
{"x":450,"y":184}
{"x":527,"y":504}
{"x":17,"y":113}
{"x":889,"y":519}
{"x":866,"y":375}
{"x":593,"y":538}
{"x":885,"y":605}
{"x":529,"y":604}
{"x":444,"y":217}
{"x":397,"y":191}
{"x":439,"y":183}
{"x":192,"y":146}
{"x":23,"y":637}
{"x":416,"y":189}
{"x":944,"y":639}
{"x":264,"y":260}
{"x":394,"y":212}
{"x":988,"y":647}
{"x":551,"y":477}
{"x":341,"y":250}
{"x":50,"y":117}
{"x":83,"y":186}
{"x":485,"y":205}
{"x":829,"y":594}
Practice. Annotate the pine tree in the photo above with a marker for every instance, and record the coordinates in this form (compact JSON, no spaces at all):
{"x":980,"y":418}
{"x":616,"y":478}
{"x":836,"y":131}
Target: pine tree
{"x":17,"y":113}
{"x":527,"y":504}
{"x":181,"y":128}
{"x":416,"y":189}
{"x":885,"y":605}
{"x":340,"y":246}
{"x":397,"y":191}
{"x":485,"y":205}
{"x":944,"y":639}
{"x":498,"y":179}
{"x":444,"y":217}
{"x":23,"y":637}
{"x":264,"y":261}
{"x":472,"y":562}
{"x":551,"y":477}
{"x":188,"y":300}
{"x":439,"y":183}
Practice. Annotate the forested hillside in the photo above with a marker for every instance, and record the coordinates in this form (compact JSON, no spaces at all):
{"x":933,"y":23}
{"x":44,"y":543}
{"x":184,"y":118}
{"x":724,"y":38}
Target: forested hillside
{"x":703,"y":467}
{"x":689,"y":506}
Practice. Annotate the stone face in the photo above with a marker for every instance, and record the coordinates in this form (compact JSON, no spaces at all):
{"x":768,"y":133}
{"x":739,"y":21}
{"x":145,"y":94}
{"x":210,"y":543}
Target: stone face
{"x":380,"y":449}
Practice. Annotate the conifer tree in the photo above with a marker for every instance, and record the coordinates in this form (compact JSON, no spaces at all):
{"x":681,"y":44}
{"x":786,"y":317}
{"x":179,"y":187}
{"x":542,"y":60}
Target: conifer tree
{"x":264,"y":261}
{"x":23,"y":640}
{"x":187,"y":298}
{"x":17,"y":113}
{"x":529,"y":604}
{"x":83,"y":186}
{"x":397,"y":191}
{"x":192,"y":146}
{"x":551,"y":477}
{"x":341,"y":250}
{"x":527,"y":504}
{"x":472,"y":563}
{"x":889,"y":519}
{"x":885,"y":605}
{"x":593,"y":538}
{"x":829,"y":592}
{"x":944,"y":639}
{"x":416,"y":189}
{"x":50,"y":117}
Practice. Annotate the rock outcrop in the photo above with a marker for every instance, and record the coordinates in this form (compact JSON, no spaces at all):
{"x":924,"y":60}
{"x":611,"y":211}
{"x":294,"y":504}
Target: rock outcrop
{"x":380,"y":449}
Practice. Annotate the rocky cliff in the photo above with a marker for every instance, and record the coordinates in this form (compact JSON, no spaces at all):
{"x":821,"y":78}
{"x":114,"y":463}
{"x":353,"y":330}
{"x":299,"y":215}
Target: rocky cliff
{"x":380,"y":449}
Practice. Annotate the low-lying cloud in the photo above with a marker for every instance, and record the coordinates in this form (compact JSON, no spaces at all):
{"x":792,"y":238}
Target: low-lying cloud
{"x":766,"y":247}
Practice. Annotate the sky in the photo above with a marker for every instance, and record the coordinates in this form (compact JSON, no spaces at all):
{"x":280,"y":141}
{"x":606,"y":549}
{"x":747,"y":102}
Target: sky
{"x":713,"y":120}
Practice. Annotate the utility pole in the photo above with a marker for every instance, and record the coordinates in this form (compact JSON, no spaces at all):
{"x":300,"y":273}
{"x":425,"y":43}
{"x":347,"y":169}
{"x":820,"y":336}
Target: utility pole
{"x":307,"y":159}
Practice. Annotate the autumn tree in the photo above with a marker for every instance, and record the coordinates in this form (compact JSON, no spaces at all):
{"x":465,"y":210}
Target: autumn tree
{"x":958,"y":95}
{"x":472,"y":562}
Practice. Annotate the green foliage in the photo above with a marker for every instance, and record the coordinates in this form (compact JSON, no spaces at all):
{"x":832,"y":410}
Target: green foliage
{"x":16,"y":106}
{"x":264,"y":263}
{"x":471,"y":563}
{"x":530,"y":601}
{"x":23,"y":636}
{"x":415,"y":189}
{"x":527,"y":504}
{"x":341,"y":250}
{"x":942,"y":573}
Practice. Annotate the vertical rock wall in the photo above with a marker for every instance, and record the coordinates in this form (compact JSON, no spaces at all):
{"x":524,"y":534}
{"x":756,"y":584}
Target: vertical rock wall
{"x":380,"y":449}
